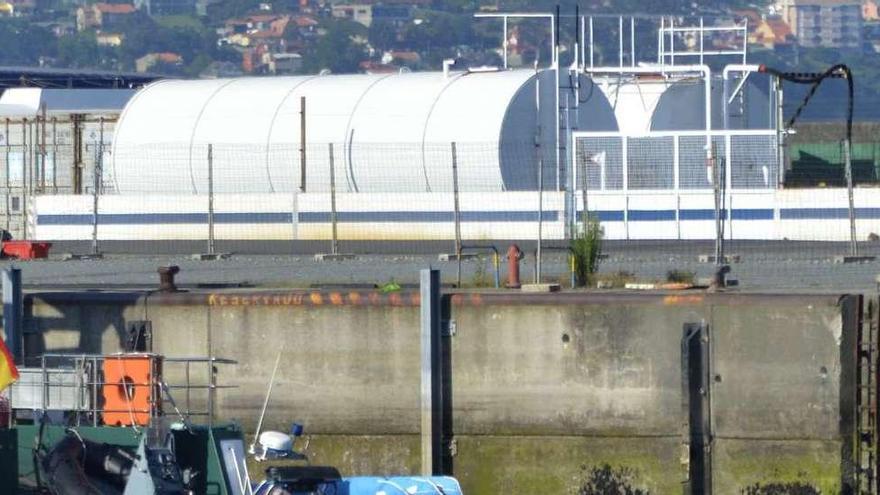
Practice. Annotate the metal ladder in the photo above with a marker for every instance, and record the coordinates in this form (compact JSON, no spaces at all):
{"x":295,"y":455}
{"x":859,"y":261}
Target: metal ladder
{"x":866,"y":441}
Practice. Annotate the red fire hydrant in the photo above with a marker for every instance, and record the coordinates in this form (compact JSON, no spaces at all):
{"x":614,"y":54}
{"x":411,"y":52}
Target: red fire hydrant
{"x":514,"y":255}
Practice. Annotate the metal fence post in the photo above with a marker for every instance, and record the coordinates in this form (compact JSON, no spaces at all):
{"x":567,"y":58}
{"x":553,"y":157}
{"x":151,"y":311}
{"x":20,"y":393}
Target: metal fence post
{"x":431,"y":383}
{"x":538,"y":253}
{"x":712,"y":161}
{"x":13,"y":313}
{"x":54,"y":155}
{"x":457,"y":211}
{"x":210,"y":199}
{"x":8,"y":182}
{"x":24,"y":174}
{"x":302,"y":144}
{"x":96,"y":188}
{"x":847,"y":160}
{"x":334,"y":245}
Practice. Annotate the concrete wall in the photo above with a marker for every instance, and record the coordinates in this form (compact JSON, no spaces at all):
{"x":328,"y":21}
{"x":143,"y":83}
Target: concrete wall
{"x":549,"y":391}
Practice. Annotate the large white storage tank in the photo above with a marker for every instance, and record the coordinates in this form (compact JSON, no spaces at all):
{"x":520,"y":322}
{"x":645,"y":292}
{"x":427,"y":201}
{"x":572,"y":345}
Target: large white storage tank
{"x":391,"y":133}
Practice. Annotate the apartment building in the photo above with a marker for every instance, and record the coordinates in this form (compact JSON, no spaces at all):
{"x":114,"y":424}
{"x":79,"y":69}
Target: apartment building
{"x":825,"y":23}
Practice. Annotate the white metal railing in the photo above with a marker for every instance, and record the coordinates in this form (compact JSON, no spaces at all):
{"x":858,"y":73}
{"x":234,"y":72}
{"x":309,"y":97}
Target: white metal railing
{"x":674,"y":160}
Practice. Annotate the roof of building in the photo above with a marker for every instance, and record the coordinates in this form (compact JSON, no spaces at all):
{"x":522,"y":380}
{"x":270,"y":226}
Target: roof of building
{"x":115,"y":8}
{"x":23,"y":102}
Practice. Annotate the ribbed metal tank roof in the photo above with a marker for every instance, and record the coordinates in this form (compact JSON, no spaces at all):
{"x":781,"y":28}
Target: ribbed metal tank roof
{"x":390,"y":132}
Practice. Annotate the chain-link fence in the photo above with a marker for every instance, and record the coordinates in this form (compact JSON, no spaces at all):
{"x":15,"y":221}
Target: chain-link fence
{"x":654,"y":195}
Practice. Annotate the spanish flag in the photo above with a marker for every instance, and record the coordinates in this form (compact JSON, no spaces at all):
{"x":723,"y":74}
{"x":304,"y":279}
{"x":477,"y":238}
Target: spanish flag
{"x":8,"y":371}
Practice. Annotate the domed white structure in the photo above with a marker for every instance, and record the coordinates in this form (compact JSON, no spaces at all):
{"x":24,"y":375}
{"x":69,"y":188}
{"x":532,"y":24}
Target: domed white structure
{"x":391,"y":133}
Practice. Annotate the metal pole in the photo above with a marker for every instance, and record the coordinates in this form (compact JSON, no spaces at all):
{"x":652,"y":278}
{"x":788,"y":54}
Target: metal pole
{"x":54,"y":155}
{"x":457,"y":211}
{"x":13,"y":312}
{"x":716,"y":178}
{"x":660,"y":36}
{"x":431,"y":383}
{"x":701,"y":42}
{"x":8,"y":183}
{"x":780,"y":134}
{"x":847,"y":159}
{"x":620,"y":41}
{"x":504,"y":41}
{"x":210,"y":199}
{"x":540,"y":217}
{"x":334,"y":242}
{"x":632,"y":41}
{"x":96,"y":187}
{"x":302,"y":144}
{"x":43,"y":152}
{"x":583,"y":181}
{"x":591,"y":42}
{"x":540,"y":160}
{"x":24,"y":168}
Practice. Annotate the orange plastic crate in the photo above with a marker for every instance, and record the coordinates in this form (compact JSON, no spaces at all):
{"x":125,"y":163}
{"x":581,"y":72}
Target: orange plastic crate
{"x":26,"y":250}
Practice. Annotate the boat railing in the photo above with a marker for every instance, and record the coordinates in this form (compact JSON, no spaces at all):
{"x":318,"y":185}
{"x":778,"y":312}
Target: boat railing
{"x":125,"y":389}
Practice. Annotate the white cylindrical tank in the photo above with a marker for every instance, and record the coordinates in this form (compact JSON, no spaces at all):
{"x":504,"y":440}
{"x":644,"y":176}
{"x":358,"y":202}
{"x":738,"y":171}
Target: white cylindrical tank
{"x":390,"y":133}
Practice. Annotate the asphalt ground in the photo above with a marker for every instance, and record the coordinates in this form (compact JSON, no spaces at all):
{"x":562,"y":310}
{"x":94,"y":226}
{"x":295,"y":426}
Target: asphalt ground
{"x":788,"y":267}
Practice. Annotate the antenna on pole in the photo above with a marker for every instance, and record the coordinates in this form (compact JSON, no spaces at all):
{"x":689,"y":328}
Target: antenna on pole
{"x":252,"y":449}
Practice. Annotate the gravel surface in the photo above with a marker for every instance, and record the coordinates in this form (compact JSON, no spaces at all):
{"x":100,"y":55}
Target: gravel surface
{"x":780,"y":271}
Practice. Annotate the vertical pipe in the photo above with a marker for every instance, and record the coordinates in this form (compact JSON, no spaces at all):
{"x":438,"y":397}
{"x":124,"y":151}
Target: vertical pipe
{"x":431,"y":377}
{"x":625,"y":179}
{"x":660,"y":36}
{"x":847,"y":160}
{"x":712,"y":159}
{"x":632,"y":41}
{"x":538,"y":255}
{"x":591,"y":42}
{"x":504,"y":42}
{"x":620,"y":41}
{"x":725,"y":89}
{"x":96,"y":188}
{"x":456,"y":210}
{"x":555,"y":35}
{"x":780,"y":133}
{"x":77,"y":154}
{"x":43,"y":152}
{"x":540,"y":159}
{"x":701,"y":41}
{"x":334,"y":242}
{"x":578,"y":41}
{"x":13,"y":312}
{"x":302,"y":144}
{"x":7,"y":170}
{"x":24,"y":169}
{"x":210,"y":199}
{"x":54,"y":155}
{"x":727,"y":189}
{"x":672,"y":41}
{"x":584,"y":205}
{"x":569,"y":170}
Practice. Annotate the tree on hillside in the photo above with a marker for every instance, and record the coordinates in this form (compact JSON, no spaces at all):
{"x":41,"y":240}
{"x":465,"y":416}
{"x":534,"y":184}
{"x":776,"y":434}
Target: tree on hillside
{"x":22,"y":43}
{"x":337,"y":50}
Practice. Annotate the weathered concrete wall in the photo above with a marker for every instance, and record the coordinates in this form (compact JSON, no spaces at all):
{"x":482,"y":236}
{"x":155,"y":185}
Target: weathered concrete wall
{"x":548,"y":390}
